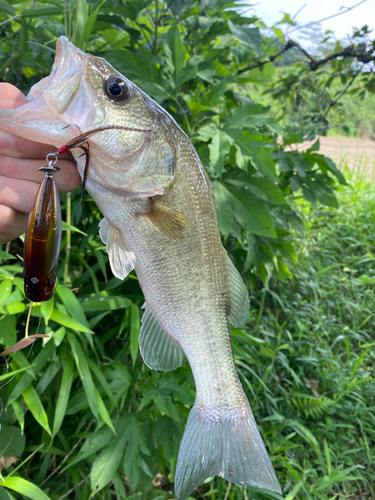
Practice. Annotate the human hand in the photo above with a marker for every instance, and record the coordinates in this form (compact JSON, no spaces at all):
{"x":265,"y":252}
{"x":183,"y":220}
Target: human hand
{"x":20,"y":178}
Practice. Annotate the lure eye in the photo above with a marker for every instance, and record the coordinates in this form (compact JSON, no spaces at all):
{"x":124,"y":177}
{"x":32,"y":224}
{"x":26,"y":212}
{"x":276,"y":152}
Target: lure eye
{"x":116,"y":89}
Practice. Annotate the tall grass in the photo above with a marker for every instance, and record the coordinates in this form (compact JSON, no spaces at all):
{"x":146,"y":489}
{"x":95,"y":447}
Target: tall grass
{"x":319,"y":376}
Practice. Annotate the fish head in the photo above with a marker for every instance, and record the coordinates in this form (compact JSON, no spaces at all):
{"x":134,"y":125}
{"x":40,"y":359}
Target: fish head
{"x":84,"y":92}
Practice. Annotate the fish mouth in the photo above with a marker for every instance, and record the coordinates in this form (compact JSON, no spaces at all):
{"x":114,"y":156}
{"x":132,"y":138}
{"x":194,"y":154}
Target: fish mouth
{"x":43,"y":118}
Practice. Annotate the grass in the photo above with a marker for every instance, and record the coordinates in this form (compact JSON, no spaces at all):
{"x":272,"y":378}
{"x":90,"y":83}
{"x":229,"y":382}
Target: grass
{"x":306,"y":359}
{"x":316,"y":371}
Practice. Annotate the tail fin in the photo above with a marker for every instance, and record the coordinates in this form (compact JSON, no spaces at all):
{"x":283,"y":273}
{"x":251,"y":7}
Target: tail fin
{"x":229,"y":447}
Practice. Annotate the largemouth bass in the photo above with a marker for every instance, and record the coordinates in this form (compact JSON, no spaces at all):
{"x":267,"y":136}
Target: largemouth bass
{"x":159,"y":219}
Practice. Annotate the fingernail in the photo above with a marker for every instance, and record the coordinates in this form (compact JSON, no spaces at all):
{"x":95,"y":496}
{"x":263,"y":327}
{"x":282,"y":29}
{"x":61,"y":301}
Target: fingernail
{"x":6,"y":140}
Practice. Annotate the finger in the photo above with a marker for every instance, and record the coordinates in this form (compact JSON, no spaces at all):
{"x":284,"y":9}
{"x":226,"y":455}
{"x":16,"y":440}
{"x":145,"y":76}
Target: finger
{"x":67,"y":179}
{"x":12,"y":145}
{"x":12,"y":223}
{"x":18,"y":194}
{"x":11,"y":97}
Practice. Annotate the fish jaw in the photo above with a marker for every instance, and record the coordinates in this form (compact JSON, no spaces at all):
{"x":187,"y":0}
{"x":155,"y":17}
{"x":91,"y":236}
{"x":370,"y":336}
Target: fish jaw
{"x":35,"y":123}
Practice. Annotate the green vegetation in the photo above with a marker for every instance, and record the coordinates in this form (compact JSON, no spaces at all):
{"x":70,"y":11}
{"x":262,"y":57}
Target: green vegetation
{"x":305,"y":358}
{"x":354,"y":118}
{"x":85,"y":415}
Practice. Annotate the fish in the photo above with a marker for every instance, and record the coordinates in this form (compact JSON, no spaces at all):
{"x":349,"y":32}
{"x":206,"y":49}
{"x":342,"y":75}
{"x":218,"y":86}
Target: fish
{"x":43,"y":240}
{"x":159,"y":219}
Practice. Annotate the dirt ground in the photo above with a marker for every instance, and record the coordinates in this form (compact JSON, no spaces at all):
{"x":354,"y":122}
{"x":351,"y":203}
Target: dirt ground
{"x":358,"y":154}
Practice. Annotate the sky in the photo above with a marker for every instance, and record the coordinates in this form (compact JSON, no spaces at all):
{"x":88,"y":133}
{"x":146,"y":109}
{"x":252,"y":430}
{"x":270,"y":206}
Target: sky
{"x":270,"y":12}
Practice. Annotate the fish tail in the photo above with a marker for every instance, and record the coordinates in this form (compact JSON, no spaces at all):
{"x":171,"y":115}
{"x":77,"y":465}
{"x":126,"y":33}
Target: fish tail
{"x":229,"y":446}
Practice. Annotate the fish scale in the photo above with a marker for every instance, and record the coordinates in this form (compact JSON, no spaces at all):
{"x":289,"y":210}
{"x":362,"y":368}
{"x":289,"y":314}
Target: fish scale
{"x":159,"y":219}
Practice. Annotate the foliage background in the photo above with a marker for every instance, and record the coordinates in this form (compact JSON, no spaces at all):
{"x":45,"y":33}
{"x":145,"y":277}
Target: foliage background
{"x":84,"y":414}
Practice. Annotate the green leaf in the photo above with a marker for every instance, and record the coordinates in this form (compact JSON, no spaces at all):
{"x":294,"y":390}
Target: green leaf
{"x":247,"y":113}
{"x":68,"y":227}
{"x":5,"y":255}
{"x":19,"y":412}
{"x":46,"y":308}
{"x":106,"y":464}
{"x":175,"y":53}
{"x":134,"y":331}
{"x":35,"y":406}
{"x":89,"y":26}
{"x":328,"y":457}
{"x":293,"y":492}
{"x":84,"y":373}
{"x":306,"y":434}
{"x":71,"y":323}
{"x":13,"y":373}
{"x":13,"y":308}
{"x":12,"y":441}
{"x":359,"y":361}
{"x":218,"y":148}
{"x":136,"y":444}
{"x":5,"y":291}
{"x":4,"y":494}
{"x":72,"y":304}
{"x":103,"y":412}
{"x":224,"y":209}
{"x":336,"y":477}
{"x":39,"y":362}
{"x":106,"y":304}
{"x":7,"y":8}
{"x":8,"y":333}
{"x":42,"y":10}
{"x":324,"y":161}
{"x":82,"y":15}
{"x":251,"y":212}
{"x":64,"y":393}
{"x":262,"y":187}
{"x":92,"y":445}
{"x":103,"y":381}
{"x":24,"y":488}
{"x":137,"y":68}
{"x":250,"y":36}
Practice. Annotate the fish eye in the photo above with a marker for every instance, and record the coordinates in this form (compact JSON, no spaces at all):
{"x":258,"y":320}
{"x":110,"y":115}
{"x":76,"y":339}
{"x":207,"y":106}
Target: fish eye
{"x":116,"y":89}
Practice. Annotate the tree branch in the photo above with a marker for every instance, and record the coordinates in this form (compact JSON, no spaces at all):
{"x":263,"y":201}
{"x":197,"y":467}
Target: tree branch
{"x":361,"y":56}
{"x":343,"y":92}
{"x":350,"y":51}
{"x":286,"y":47}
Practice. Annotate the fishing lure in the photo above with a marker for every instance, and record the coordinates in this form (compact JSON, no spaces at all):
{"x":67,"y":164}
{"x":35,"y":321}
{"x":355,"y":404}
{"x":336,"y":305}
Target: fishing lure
{"x":43,"y":238}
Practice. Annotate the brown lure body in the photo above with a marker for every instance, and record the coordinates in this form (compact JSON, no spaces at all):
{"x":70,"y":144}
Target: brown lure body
{"x":42,"y":241}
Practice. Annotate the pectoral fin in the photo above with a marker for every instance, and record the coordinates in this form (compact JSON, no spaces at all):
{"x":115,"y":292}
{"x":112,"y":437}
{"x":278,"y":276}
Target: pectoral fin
{"x":121,"y":259}
{"x":159,"y":350}
{"x":239,"y":296}
{"x":168,"y":221}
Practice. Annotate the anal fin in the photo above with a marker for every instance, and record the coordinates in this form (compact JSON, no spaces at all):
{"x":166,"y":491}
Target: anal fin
{"x":121,"y":259}
{"x":158,"y":349}
{"x":239,"y":296}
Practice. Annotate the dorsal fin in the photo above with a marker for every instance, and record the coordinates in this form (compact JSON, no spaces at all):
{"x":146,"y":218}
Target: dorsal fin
{"x":159,"y":350}
{"x":239,"y":296}
{"x":121,"y":259}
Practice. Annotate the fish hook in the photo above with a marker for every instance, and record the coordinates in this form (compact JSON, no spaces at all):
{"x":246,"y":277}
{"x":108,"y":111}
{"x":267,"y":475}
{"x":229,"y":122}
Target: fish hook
{"x":82,"y":142}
